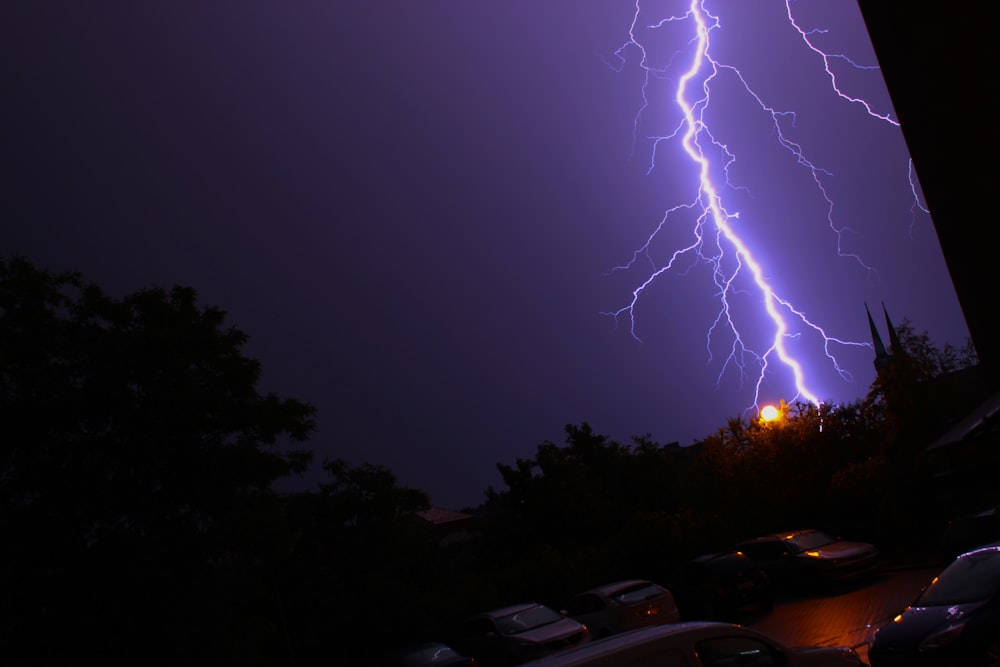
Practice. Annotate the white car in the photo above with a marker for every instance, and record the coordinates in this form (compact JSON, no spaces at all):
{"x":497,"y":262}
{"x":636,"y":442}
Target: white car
{"x":623,"y":605}
{"x":698,"y":644}
{"x":515,"y":634}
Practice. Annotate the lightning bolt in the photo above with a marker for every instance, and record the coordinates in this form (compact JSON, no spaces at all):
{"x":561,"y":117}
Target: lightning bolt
{"x":716,"y":237}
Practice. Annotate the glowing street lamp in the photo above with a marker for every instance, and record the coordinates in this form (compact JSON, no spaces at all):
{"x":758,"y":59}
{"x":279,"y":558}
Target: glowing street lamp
{"x":769,"y":413}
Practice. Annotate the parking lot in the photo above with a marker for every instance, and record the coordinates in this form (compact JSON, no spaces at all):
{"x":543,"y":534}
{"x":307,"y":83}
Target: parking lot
{"x":847,"y":615}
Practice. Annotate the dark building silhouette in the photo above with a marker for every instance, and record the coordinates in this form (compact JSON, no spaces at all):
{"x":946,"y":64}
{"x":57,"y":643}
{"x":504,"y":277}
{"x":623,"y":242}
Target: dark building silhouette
{"x":939,"y":64}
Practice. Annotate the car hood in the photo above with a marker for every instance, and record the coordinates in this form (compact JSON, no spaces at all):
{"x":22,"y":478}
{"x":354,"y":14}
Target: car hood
{"x":565,"y":627}
{"x":842,"y":550}
{"x":915,"y":623}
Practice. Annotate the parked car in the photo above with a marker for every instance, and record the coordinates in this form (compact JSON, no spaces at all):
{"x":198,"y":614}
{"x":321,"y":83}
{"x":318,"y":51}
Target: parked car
{"x":623,"y":605}
{"x":428,"y":654}
{"x":954,"y":621}
{"x":517,"y":633}
{"x":698,"y":644}
{"x":719,"y":586}
{"x":807,"y":557}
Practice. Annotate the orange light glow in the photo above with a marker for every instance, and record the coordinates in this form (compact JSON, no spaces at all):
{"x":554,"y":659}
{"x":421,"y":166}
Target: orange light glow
{"x":769,"y":413}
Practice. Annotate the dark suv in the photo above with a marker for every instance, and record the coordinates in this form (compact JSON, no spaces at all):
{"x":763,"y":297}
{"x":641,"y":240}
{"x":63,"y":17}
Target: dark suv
{"x":720,"y":586}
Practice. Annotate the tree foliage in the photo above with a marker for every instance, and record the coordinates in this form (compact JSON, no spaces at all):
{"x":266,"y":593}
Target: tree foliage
{"x":593,"y":500}
{"x":365,"y":567}
{"x":775,"y":476}
{"x":138,"y":456}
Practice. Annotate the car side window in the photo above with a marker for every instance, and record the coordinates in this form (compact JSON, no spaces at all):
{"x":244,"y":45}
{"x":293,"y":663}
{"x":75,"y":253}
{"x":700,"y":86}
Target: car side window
{"x":758,"y":550}
{"x":768,"y":550}
{"x":736,"y":651}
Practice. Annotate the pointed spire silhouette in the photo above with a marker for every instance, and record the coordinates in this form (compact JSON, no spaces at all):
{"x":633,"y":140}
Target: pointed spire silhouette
{"x":882,"y":356}
{"x":894,"y":345}
{"x":876,"y":339}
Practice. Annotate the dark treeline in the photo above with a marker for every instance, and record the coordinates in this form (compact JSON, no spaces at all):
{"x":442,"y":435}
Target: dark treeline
{"x":139,"y":524}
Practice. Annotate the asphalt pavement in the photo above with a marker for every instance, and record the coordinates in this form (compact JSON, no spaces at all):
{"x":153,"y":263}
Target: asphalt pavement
{"x":849,"y":614}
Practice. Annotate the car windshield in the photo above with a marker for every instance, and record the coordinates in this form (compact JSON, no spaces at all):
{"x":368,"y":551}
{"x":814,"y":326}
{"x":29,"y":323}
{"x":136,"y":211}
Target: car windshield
{"x":429,"y":654}
{"x":811,"y":540}
{"x":636,"y":593}
{"x":969,"y":578}
{"x":525,"y":620}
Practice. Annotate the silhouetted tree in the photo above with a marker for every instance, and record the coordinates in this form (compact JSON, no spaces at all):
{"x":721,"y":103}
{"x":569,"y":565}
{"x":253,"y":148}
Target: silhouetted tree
{"x":575,"y":501}
{"x":366,"y":573}
{"x":135,"y":470}
{"x":776,"y":476}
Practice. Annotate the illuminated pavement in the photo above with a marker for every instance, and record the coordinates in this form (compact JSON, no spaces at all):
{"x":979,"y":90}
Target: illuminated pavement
{"x":847,"y":616}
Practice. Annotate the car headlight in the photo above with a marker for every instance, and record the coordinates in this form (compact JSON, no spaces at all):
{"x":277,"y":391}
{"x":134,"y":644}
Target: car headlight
{"x":942,"y":637}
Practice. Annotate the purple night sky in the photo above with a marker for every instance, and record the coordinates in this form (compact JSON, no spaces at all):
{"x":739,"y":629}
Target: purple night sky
{"x":414,"y":207}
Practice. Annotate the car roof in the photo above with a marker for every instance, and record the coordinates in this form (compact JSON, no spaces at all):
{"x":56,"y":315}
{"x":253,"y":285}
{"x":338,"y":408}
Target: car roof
{"x":992,"y":546}
{"x":505,"y":611}
{"x":421,"y":647}
{"x":610,"y":645}
{"x":719,"y":556}
{"x":786,"y":535}
{"x":614,"y":587}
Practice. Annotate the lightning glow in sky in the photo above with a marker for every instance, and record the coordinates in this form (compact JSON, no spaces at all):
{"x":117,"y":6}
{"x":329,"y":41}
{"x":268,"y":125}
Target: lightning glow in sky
{"x":744,"y":288}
